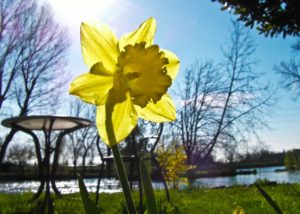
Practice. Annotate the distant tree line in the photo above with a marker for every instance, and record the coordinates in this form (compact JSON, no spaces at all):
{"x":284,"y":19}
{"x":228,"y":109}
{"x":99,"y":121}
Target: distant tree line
{"x":292,"y":159}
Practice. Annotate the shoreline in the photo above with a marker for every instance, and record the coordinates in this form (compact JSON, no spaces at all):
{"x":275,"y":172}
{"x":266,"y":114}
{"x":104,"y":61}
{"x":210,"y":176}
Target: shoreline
{"x":12,"y":177}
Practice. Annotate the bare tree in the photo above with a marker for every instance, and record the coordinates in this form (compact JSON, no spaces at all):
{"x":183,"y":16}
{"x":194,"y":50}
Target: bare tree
{"x":89,"y":136}
{"x":234,"y":103}
{"x":32,"y":70}
{"x":290,"y":72}
{"x":75,"y":140}
{"x":11,"y":47}
{"x":21,"y":154}
{"x":82,"y":141}
{"x":258,"y":152}
{"x":200,"y":95}
{"x":75,"y":147}
{"x":245,"y":97}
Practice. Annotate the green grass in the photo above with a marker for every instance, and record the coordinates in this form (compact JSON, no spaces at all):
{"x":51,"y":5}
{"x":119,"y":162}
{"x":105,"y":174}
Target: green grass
{"x":200,"y":200}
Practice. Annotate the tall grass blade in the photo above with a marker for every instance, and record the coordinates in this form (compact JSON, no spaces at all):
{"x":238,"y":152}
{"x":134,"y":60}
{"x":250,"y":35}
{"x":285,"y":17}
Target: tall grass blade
{"x":147,"y":187}
{"x":90,"y":206}
{"x":269,"y":199}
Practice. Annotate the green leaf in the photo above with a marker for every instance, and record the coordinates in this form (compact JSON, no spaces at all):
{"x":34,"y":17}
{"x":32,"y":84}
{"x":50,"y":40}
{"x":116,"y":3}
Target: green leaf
{"x":269,"y":199}
{"x":224,"y":8}
{"x":147,"y":187}
{"x":90,"y":206}
{"x":236,"y":12}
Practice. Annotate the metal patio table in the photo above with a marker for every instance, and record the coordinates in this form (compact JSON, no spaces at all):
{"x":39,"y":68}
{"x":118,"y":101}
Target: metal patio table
{"x":47,"y":124}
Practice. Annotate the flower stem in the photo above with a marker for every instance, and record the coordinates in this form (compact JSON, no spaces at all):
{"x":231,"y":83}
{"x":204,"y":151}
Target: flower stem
{"x":117,"y":158}
{"x":123,"y":179}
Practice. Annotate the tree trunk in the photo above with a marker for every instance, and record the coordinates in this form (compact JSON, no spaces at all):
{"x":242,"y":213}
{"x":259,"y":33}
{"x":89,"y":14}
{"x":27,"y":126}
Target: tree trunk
{"x":83,"y":165}
{"x":163,"y":179}
{"x":4,"y":146}
{"x":75,"y":168}
{"x":189,"y":159}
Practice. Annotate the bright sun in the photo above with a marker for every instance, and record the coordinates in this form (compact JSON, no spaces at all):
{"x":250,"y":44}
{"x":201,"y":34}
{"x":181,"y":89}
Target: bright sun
{"x":75,"y":11}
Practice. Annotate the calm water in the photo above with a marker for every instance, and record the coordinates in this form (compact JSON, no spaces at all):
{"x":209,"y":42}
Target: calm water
{"x":112,"y":185}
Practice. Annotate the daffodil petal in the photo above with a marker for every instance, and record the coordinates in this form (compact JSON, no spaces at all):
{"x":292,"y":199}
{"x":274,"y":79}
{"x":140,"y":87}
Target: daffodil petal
{"x":173,"y":66}
{"x":145,"y":33}
{"x":124,"y":120}
{"x":99,"y":69}
{"x":98,"y":44}
{"x":162,"y":111}
{"x":91,"y":88}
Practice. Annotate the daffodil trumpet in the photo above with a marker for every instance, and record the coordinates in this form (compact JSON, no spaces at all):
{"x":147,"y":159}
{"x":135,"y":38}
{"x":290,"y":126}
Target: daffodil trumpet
{"x":128,"y":79}
{"x":132,"y":73}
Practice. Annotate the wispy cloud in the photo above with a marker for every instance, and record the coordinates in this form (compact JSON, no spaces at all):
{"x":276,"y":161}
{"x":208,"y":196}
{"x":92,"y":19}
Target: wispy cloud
{"x":217,"y":100}
{"x":192,"y":21}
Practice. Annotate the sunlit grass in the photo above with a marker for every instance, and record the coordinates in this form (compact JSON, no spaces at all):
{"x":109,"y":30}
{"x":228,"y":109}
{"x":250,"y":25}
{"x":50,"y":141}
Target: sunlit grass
{"x":200,"y":200}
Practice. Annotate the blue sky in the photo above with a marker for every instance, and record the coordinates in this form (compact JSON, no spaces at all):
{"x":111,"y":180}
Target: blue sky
{"x":192,"y":30}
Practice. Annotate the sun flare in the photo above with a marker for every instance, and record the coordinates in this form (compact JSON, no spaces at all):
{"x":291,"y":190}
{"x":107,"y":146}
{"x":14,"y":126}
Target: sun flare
{"x":75,"y":11}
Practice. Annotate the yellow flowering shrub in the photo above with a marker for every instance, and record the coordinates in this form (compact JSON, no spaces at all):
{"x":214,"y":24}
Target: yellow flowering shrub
{"x":173,"y":163}
{"x":238,"y":210}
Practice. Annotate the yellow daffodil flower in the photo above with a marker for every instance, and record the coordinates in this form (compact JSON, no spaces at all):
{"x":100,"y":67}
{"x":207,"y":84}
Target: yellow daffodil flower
{"x":128,"y":78}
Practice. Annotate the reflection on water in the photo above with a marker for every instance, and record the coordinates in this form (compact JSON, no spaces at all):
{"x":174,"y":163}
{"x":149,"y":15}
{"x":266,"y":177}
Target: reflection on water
{"x":66,"y":186}
{"x":112,"y":185}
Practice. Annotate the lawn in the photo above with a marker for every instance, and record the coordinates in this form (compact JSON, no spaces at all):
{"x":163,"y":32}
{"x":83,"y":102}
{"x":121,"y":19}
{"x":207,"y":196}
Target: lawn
{"x":202,"y":200}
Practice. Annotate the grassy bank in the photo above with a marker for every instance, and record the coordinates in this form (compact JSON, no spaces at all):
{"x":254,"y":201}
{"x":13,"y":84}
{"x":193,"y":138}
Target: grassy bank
{"x":223,"y":200}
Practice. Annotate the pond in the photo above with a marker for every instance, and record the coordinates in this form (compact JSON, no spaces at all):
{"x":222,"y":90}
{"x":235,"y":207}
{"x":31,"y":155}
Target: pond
{"x":112,"y":185}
